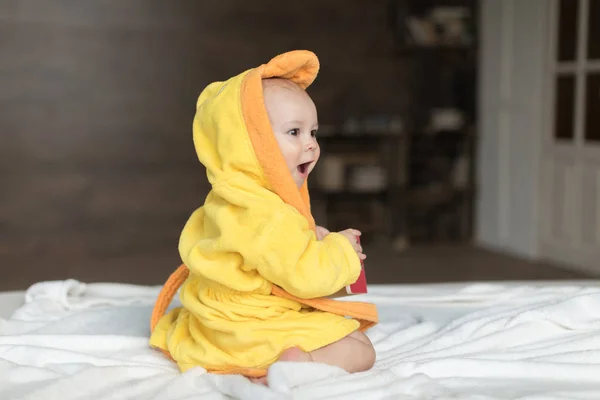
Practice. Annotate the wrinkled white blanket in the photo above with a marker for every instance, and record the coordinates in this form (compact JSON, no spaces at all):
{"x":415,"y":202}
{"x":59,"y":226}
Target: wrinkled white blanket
{"x":72,"y":340}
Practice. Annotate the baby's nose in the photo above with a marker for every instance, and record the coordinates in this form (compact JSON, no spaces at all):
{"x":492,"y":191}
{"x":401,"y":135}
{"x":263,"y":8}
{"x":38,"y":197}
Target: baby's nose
{"x":311,"y":144}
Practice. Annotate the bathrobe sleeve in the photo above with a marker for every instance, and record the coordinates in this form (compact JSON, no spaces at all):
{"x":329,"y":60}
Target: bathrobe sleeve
{"x":291,"y":257}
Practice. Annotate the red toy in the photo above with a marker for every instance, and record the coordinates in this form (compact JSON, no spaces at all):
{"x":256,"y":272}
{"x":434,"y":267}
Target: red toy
{"x":358,"y":287}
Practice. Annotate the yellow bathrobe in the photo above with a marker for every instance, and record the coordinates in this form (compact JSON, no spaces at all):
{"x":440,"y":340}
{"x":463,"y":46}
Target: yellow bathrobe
{"x":255,"y":273}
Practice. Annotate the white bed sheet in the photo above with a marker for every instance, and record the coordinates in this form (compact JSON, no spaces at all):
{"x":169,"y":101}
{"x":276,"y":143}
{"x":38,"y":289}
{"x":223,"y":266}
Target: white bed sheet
{"x":512,"y":340}
{"x":10,"y":301}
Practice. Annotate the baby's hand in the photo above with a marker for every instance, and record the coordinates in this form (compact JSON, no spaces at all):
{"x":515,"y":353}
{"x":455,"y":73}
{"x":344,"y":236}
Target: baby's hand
{"x":322,"y":232}
{"x":351,"y":235}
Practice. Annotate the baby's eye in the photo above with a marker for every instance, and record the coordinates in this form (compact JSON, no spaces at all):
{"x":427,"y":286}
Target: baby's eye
{"x":313,"y":133}
{"x":294,"y":131}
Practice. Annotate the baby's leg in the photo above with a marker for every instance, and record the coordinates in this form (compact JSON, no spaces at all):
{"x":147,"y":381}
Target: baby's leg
{"x":354,"y":353}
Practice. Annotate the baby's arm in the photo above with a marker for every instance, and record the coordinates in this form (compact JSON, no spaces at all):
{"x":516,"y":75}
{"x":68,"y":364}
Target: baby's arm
{"x":322,"y":232}
{"x":293,"y":259}
{"x":350,"y":234}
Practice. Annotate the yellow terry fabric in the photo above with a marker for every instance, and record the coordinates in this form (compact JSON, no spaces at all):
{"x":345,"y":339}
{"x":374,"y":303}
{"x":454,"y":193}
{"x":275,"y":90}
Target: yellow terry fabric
{"x":253,"y":231}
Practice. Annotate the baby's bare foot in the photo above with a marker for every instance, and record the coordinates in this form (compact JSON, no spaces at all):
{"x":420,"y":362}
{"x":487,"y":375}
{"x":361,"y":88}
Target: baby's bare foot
{"x":261,"y":381}
{"x":296,"y":355}
{"x":291,"y":354}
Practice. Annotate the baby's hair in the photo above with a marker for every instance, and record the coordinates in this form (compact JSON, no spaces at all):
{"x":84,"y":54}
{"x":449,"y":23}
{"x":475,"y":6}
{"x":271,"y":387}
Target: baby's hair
{"x":280,"y":83}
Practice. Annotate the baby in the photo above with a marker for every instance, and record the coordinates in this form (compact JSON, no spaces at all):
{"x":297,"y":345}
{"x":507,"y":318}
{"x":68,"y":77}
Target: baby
{"x":257,"y":271}
{"x":293,"y":118}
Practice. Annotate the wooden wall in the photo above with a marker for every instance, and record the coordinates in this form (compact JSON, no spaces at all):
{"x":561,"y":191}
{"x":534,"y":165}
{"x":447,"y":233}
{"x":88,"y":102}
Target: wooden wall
{"x":97,"y":168}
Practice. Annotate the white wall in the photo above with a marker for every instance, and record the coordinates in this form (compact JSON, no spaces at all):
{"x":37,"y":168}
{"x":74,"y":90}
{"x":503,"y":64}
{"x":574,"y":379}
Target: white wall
{"x":513,"y":41}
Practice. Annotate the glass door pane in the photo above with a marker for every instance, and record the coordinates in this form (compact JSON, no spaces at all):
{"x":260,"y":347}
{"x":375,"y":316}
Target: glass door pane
{"x":567,"y":29}
{"x":592,"y":107}
{"x":564,"y":107}
{"x":594,"y":30}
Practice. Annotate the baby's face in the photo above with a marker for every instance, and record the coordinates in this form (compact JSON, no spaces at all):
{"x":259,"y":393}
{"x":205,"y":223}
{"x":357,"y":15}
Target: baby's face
{"x":293,"y":118}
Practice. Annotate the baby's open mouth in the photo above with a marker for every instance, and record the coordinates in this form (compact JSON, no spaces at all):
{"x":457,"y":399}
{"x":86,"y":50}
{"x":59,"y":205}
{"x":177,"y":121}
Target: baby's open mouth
{"x":303,"y":168}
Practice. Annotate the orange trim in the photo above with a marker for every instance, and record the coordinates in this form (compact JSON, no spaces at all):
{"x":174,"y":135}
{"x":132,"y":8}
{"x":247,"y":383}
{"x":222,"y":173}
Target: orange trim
{"x":247,"y":372}
{"x":365,"y":313}
{"x":302,"y":68}
{"x":165,"y":297}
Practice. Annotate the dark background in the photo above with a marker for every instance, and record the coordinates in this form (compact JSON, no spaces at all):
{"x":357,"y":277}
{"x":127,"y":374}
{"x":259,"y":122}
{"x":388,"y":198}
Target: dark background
{"x":97,"y":168}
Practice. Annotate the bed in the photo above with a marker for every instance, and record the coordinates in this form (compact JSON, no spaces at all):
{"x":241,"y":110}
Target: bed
{"x":479,"y":340}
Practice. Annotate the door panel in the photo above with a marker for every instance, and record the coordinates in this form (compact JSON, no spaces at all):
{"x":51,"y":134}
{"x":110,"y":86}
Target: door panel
{"x":571,"y":154}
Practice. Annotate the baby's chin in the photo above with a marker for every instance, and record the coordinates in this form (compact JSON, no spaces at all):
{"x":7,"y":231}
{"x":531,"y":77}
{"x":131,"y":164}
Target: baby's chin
{"x":299,"y":181}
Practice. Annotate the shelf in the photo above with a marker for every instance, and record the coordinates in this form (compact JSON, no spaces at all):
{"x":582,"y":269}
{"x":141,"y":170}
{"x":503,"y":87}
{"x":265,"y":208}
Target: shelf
{"x":438,"y":71}
{"x":350,"y":193}
{"x":438,"y":48}
{"x":362,"y":136}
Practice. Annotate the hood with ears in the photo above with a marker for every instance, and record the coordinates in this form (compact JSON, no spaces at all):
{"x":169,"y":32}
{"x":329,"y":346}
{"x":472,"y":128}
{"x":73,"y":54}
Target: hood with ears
{"x":233,"y":136}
